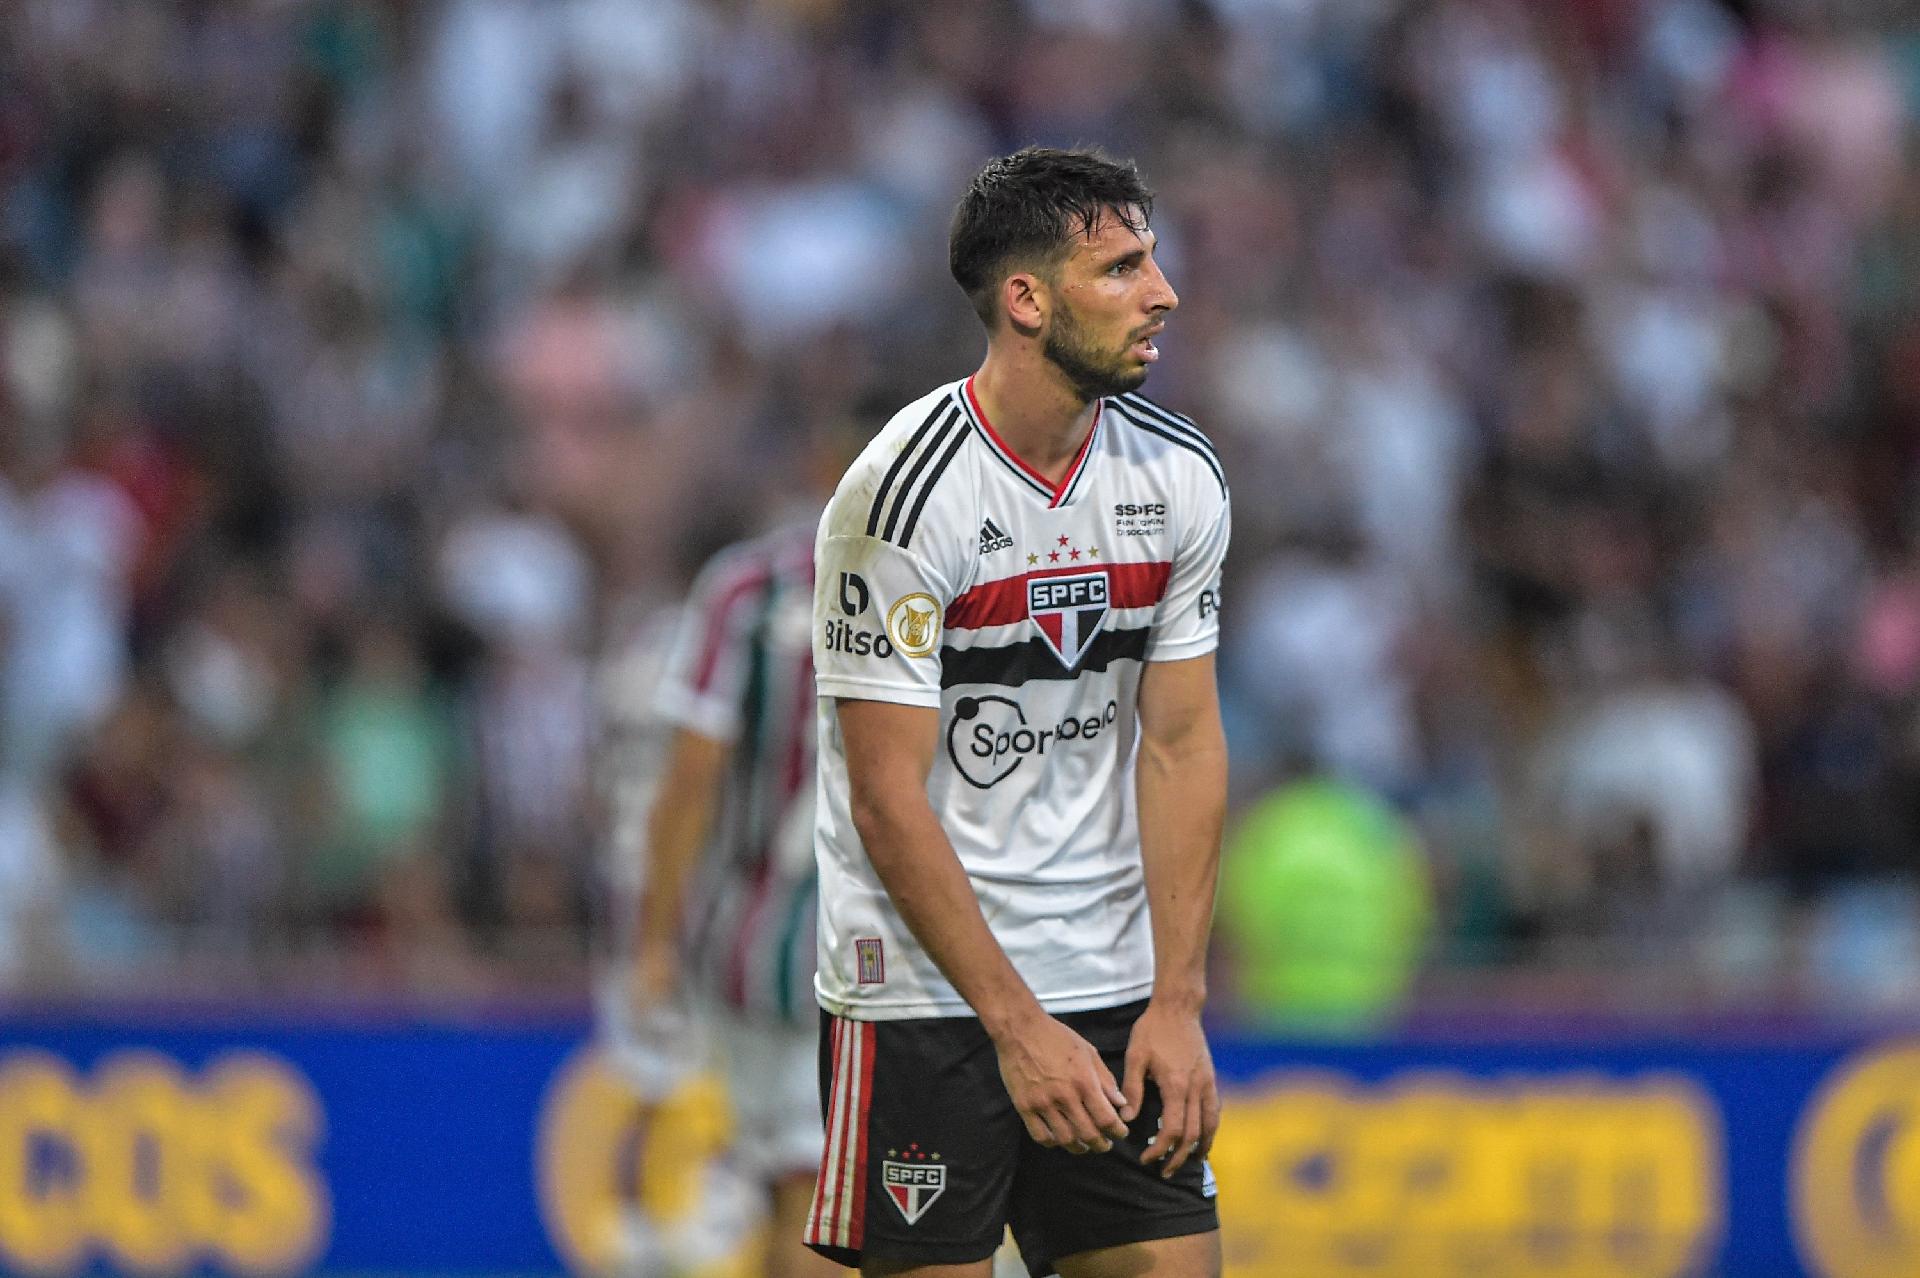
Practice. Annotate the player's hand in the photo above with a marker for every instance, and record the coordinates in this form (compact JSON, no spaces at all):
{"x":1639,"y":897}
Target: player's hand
{"x":656,"y":976}
{"x":1168,"y":1046}
{"x":1064,"y":1092}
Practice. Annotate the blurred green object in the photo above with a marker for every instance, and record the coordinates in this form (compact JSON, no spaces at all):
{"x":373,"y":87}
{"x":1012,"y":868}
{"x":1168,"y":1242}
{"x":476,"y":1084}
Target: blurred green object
{"x":387,"y":755}
{"x":1325,"y":907}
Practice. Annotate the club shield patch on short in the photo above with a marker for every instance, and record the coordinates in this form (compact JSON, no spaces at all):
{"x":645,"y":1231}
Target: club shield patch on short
{"x":1068,"y":610}
{"x":914,"y":1184}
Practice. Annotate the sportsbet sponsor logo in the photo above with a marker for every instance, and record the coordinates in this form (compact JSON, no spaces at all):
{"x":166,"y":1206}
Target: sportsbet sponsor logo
{"x":989,"y":737}
{"x":1855,"y":1181}
{"x":141,"y":1165}
{"x":1439,"y":1176}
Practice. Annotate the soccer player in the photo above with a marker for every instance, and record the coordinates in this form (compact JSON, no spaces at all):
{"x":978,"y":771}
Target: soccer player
{"x":735,"y":798}
{"x":1023,"y":773}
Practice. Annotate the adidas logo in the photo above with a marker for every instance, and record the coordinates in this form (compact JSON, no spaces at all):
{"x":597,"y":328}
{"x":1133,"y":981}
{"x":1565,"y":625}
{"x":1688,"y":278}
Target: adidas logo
{"x":992,"y":538}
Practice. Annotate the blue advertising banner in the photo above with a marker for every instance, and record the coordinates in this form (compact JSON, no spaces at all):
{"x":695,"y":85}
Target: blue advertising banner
{"x":152,"y":1145}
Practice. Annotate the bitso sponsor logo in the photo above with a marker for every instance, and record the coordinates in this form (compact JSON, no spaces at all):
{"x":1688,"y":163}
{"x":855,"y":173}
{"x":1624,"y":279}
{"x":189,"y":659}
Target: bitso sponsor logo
{"x":913,"y":623}
{"x":990,"y":737}
{"x":842,"y":637}
{"x":854,"y":595}
{"x":913,"y":1180}
{"x":1139,"y":518}
{"x":1068,"y":611}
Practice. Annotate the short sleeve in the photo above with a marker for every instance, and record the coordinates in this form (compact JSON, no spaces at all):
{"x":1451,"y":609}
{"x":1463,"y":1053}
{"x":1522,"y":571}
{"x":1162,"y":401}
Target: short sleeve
{"x":704,"y":678}
{"x":1187,"y":621}
{"x":878,"y":610}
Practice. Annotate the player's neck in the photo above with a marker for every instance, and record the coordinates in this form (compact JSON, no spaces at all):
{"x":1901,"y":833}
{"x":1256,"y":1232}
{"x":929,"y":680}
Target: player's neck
{"x":1033,"y":410}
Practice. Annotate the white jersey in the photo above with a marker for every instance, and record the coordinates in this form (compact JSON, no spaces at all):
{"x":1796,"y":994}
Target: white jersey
{"x":951,"y":575}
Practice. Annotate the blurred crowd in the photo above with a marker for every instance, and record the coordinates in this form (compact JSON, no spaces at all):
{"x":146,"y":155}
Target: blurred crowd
{"x":373,"y":372}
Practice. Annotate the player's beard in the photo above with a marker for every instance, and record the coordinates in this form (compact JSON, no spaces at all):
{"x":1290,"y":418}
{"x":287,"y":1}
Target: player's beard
{"x":1092,"y":372}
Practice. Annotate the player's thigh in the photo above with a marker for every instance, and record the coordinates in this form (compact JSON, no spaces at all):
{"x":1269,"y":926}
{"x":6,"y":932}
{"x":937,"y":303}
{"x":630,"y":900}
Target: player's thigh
{"x":922,"y":1145}
{"x":1073,"y":1205}
{"x":906,"y":1269}
{"x":1187,"y":1256}
{"x":788,"y":1256}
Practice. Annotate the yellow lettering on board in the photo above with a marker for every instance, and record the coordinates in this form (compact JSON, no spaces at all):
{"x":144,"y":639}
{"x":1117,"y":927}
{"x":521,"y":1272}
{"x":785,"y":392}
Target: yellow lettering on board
{"x":1450,"y":1177}
{"x":43,"y":1214}
{"x":153,"y":1173}
{"x":279,"y":1210}
{"x":1854,"y":1185}
{"x":139,"y":1129}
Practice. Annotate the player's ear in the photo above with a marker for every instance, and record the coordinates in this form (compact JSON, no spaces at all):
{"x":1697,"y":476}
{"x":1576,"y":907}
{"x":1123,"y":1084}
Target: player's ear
{"x":1024,"y":296}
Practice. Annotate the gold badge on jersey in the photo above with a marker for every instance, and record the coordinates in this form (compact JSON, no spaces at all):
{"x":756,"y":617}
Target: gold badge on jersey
{"x":913,"y":623}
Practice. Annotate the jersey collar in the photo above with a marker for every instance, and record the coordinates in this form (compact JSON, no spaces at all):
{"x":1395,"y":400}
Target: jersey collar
{"x":1056,"y":495}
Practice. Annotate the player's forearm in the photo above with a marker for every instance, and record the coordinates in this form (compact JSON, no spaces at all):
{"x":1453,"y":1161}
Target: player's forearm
{"x":677,"y":829}
{"x":917,"y":865}
{"x":1182,"y":788}
{"x":675,"y":834}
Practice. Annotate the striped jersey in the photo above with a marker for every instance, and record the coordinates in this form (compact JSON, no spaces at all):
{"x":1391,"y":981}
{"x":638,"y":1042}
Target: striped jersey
{"x":630,"y":758}
{"x":953,"y":576}
{"x":741,"y":672}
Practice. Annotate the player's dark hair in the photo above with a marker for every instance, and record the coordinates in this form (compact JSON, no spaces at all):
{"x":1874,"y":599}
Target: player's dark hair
{"x":1023,"y":211}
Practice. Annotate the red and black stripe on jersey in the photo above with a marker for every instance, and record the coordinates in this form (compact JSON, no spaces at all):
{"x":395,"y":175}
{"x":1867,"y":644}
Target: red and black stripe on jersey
{"x":1003,"y":602}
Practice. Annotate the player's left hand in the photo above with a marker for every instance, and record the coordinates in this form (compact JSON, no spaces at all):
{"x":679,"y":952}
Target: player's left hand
{"x":1168,"y":1046}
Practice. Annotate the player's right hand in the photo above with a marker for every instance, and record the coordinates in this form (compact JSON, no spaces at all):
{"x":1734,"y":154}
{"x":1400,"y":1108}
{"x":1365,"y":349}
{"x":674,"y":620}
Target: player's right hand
{"x":1065,"y":1094}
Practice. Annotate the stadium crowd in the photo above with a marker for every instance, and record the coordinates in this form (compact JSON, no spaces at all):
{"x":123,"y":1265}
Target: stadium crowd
{"x":372,"y":370}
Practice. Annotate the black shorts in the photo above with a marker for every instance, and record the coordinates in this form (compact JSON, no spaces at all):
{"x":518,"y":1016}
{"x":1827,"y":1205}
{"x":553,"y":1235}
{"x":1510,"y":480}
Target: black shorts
{"x":927,"y":1160}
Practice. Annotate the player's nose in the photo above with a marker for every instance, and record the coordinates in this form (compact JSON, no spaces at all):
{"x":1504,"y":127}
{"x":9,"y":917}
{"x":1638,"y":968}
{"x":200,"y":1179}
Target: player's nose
{"x":1160,"y":294}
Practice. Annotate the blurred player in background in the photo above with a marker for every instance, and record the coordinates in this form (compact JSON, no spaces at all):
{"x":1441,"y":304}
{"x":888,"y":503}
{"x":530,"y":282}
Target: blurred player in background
{"x":1017,"y":610}
{"x":654,"y":1048}
{"x":725,"y":922}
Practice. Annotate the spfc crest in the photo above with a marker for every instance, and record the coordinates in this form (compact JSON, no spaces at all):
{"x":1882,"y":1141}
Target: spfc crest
{"x":913,"y":1186}
{"x":1068,"y":611}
